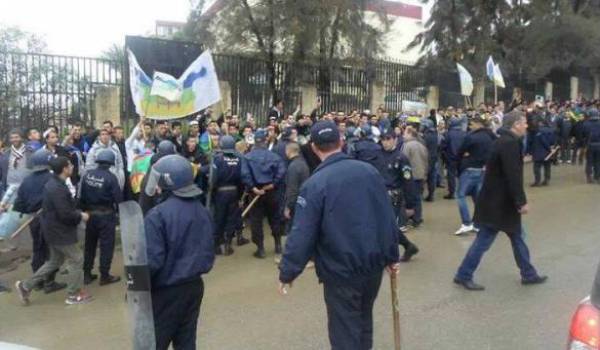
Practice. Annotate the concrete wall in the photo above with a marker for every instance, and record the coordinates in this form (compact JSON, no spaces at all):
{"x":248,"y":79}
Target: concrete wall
{"x":478,"y":93}
{"x":596,"y":87}
{"x":225,"y":103}
{"x":378,"y":96}
{"x":309,"y":98}
{"x":548,"y":90}
{"x":574,"y":88}
{"x":433,"y":97}
{"x":107,"y":105}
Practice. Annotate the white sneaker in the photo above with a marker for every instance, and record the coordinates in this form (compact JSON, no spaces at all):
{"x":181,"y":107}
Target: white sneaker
{"x":464,"y":229}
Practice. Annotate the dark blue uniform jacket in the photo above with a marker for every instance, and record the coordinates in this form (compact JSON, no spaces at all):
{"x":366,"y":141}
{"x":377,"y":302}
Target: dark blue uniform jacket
{"x":228,"y":170}
{"x":397,"y":174}
{"x":100,"y":188}
{"x":368,"y":151}
{"x":591,"y":130}
{"x":542,"y":143}
{"x":345,"y":220}
{"x":452,"y":142}
{"x":31,"y":192}
{"x":179,"y":239}
{"x":262,"y":167}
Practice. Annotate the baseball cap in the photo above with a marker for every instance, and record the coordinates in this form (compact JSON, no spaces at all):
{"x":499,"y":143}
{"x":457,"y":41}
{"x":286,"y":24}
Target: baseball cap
{"x":323,"y":132}
{"x":260,"y":135}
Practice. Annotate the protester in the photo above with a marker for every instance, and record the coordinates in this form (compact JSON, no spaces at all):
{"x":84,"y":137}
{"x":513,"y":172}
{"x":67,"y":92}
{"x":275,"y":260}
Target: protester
{"x":59,"y":219}
{"x":418,"y":157}
{"x":13,"y":164}
{"x":103,"y":142}
{"x":296,"y":175}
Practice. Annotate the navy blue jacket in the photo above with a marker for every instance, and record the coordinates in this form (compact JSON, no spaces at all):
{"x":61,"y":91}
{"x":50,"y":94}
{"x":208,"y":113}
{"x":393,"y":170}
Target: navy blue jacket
{"x":367,"y":150}
{"x":431,"y":142}
{"x":591,"y":131}
{"x":262,"y":167}
{"x":228,"y":170}
{"x":476,"y":149}
{"x":542,"y":143}
{"x":100,"y":188}
{"x":345,"y":220}
{"x":31,"y":192}
{"x":397,"y":174}
{"x":279,"y":149}
{"x":179,"y":242}
{"x":452,"y":142}
{"x":564,"y":126}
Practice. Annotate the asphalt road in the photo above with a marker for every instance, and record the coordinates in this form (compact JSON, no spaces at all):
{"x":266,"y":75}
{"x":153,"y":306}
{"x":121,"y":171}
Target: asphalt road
{"x":242,"y":310}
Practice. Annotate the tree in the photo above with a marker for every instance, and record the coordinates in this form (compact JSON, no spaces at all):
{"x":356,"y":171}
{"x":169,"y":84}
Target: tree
{"x":297,"y":31}
{"x":115,"y":54}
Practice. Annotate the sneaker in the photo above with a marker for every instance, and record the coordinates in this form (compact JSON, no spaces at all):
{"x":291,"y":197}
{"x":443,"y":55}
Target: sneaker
{"x":23,"y":293}
{"x":464,"y":229}
{"x":80,"y":298}
{"x":403,"y":229}
{"x":310,"y":265}
{"x":277,"y":259}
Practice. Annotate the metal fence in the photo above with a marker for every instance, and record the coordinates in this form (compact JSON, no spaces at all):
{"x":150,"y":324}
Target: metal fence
{"x":41,"y":90}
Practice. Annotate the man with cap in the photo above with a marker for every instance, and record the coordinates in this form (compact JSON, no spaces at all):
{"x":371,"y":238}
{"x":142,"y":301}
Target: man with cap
{"x":366,"y":149}
{"x":500,"y":204}
{"x":100,"y":196}
{"x":180,"y":248}
{"x":29,"y":201}
{"x":397,"y":175}
{"x":592,"y":141}
{"x":473,"y":154}
{"x":543,"y":142}
{"x":450,"y":146}
{"x":227,"y":188}
{"x":350,"y":251}
{"x":262,"y":174}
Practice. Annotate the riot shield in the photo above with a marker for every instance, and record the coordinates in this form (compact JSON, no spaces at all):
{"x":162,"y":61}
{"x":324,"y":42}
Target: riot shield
{"x":138,"y":275}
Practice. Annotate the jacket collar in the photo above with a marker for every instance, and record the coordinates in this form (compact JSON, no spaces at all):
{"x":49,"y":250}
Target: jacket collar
{"x":334,"y":158}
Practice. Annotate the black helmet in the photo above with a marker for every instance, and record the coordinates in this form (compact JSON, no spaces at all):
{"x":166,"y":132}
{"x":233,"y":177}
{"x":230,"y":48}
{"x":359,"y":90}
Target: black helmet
{"x":166,"y":148}
{"x":40,"y":159}
{"x":106,"y":156}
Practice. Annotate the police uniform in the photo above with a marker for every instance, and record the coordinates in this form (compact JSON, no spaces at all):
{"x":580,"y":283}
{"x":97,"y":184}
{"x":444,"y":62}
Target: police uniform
{"x":350,"y":249}
{"x":180,"y":249}
{"x":397,"y":175}
{"x":366,"y":149}
{"x":261,"y":168}
{"x":100,"y":194}
{"x":592,"y":139}
{"x":541,"y":147}
{"x":227,"y":187}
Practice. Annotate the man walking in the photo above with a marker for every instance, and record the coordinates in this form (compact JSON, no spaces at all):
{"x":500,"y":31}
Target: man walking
{"x":350,"y":250}
{"x":60,"y":218}
{"x":418,"y":157}
{"x":500,"y":205}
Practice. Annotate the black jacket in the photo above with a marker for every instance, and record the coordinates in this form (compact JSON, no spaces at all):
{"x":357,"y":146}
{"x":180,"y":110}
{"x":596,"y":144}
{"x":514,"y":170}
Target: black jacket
{"x":502,"y":193}
{"x":297,"y":173}
{"x":60,"y":216}
{"x":476,"y":148}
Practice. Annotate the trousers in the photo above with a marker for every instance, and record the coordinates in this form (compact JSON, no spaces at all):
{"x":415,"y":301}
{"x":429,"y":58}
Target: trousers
{"x":350,"y":313}
{"x":537,"y":171}
{"x":267,"y":205}
{"x":59,"y":254}
{"x":100,"y":228}
{"x":176,"y":310}
{"x":227,"y":215}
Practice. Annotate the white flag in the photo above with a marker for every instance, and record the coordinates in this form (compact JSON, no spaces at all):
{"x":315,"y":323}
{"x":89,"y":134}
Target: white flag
{"x":498,"y":78}
{"x":201,"y":78}
{"x":490,"y":67}
{"x":139,"y":83}
{"x":166,"y":86}
{"x":466,"y":80}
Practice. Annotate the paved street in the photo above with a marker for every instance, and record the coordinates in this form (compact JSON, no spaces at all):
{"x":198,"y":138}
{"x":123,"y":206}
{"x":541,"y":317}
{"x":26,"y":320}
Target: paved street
{"x":242,"y":310}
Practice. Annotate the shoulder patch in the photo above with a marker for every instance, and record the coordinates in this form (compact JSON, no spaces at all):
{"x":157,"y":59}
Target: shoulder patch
{"x":301,"y":201}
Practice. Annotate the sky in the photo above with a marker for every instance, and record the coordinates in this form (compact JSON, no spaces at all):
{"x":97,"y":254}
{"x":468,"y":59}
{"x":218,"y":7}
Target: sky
{"x":88,"y":27}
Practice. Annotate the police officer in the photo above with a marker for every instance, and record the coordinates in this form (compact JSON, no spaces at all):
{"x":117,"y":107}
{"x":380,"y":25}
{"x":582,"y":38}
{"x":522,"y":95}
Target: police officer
{"x":592,"y":140}
{"x":227,"y":185}
{"x":100,"y":194}
{"x":148,"y":201}
{"x":350,"y":250}
{"x":180,"y":249}
{"x":29,"y":201}
{"x":541,"y":147}
{"x":366,"y":149}
{"x":397,"y":175}
{"x":430,"y":137}
{"x":262,"y":173}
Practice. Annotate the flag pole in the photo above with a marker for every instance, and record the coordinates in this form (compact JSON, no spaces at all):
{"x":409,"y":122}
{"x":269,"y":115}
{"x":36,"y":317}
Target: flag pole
{"x":495,"y":94}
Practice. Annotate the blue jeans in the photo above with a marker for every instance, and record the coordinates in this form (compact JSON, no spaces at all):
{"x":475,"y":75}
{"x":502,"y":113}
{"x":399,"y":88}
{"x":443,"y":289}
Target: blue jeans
{"x":469,"y":184}
{"x":483,"y":242}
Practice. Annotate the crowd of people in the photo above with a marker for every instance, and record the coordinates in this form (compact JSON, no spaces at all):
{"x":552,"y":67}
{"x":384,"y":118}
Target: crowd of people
{"x":259,"y":170}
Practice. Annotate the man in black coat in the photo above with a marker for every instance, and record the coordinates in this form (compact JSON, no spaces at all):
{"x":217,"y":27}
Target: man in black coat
{"x":297,"y":173}
{"x":500,"y":205}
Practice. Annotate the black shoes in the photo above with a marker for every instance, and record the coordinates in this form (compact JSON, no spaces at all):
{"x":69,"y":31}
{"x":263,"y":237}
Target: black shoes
{"x":241,"y":240}
{"x":545,"y":183}
{"x":51,"y":287}
{"x":108,"y":279}
{"x":218,"y":250}
{"x":411,"y":251}
{"x":535,"y":280}
{"x":278,"y":249}
{"x":535,"y":184}
{"x":260,"y":253}
{"x":449,"y":196}
{"x":227,"y":249}
{"x":469,"y":285}
{"x":429,"y":199}
{"x":89,"y":278}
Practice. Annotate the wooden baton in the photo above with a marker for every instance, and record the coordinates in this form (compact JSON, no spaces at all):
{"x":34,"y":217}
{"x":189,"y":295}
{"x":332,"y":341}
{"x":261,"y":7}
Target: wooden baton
{"x":395,"y":309}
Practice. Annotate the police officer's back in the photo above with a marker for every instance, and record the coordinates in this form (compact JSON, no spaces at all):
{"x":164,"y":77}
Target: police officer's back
{"x":366,"y":149}
{"x":592,"y":141}
{"x":262,"y":173}
{"x":100,"y":195}
{"x":180,"y":248}
{"x":350,"y":250}
{"x":227,"y":188}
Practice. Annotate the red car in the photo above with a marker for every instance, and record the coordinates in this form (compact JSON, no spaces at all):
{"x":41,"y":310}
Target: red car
{"x":585,"y":326}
